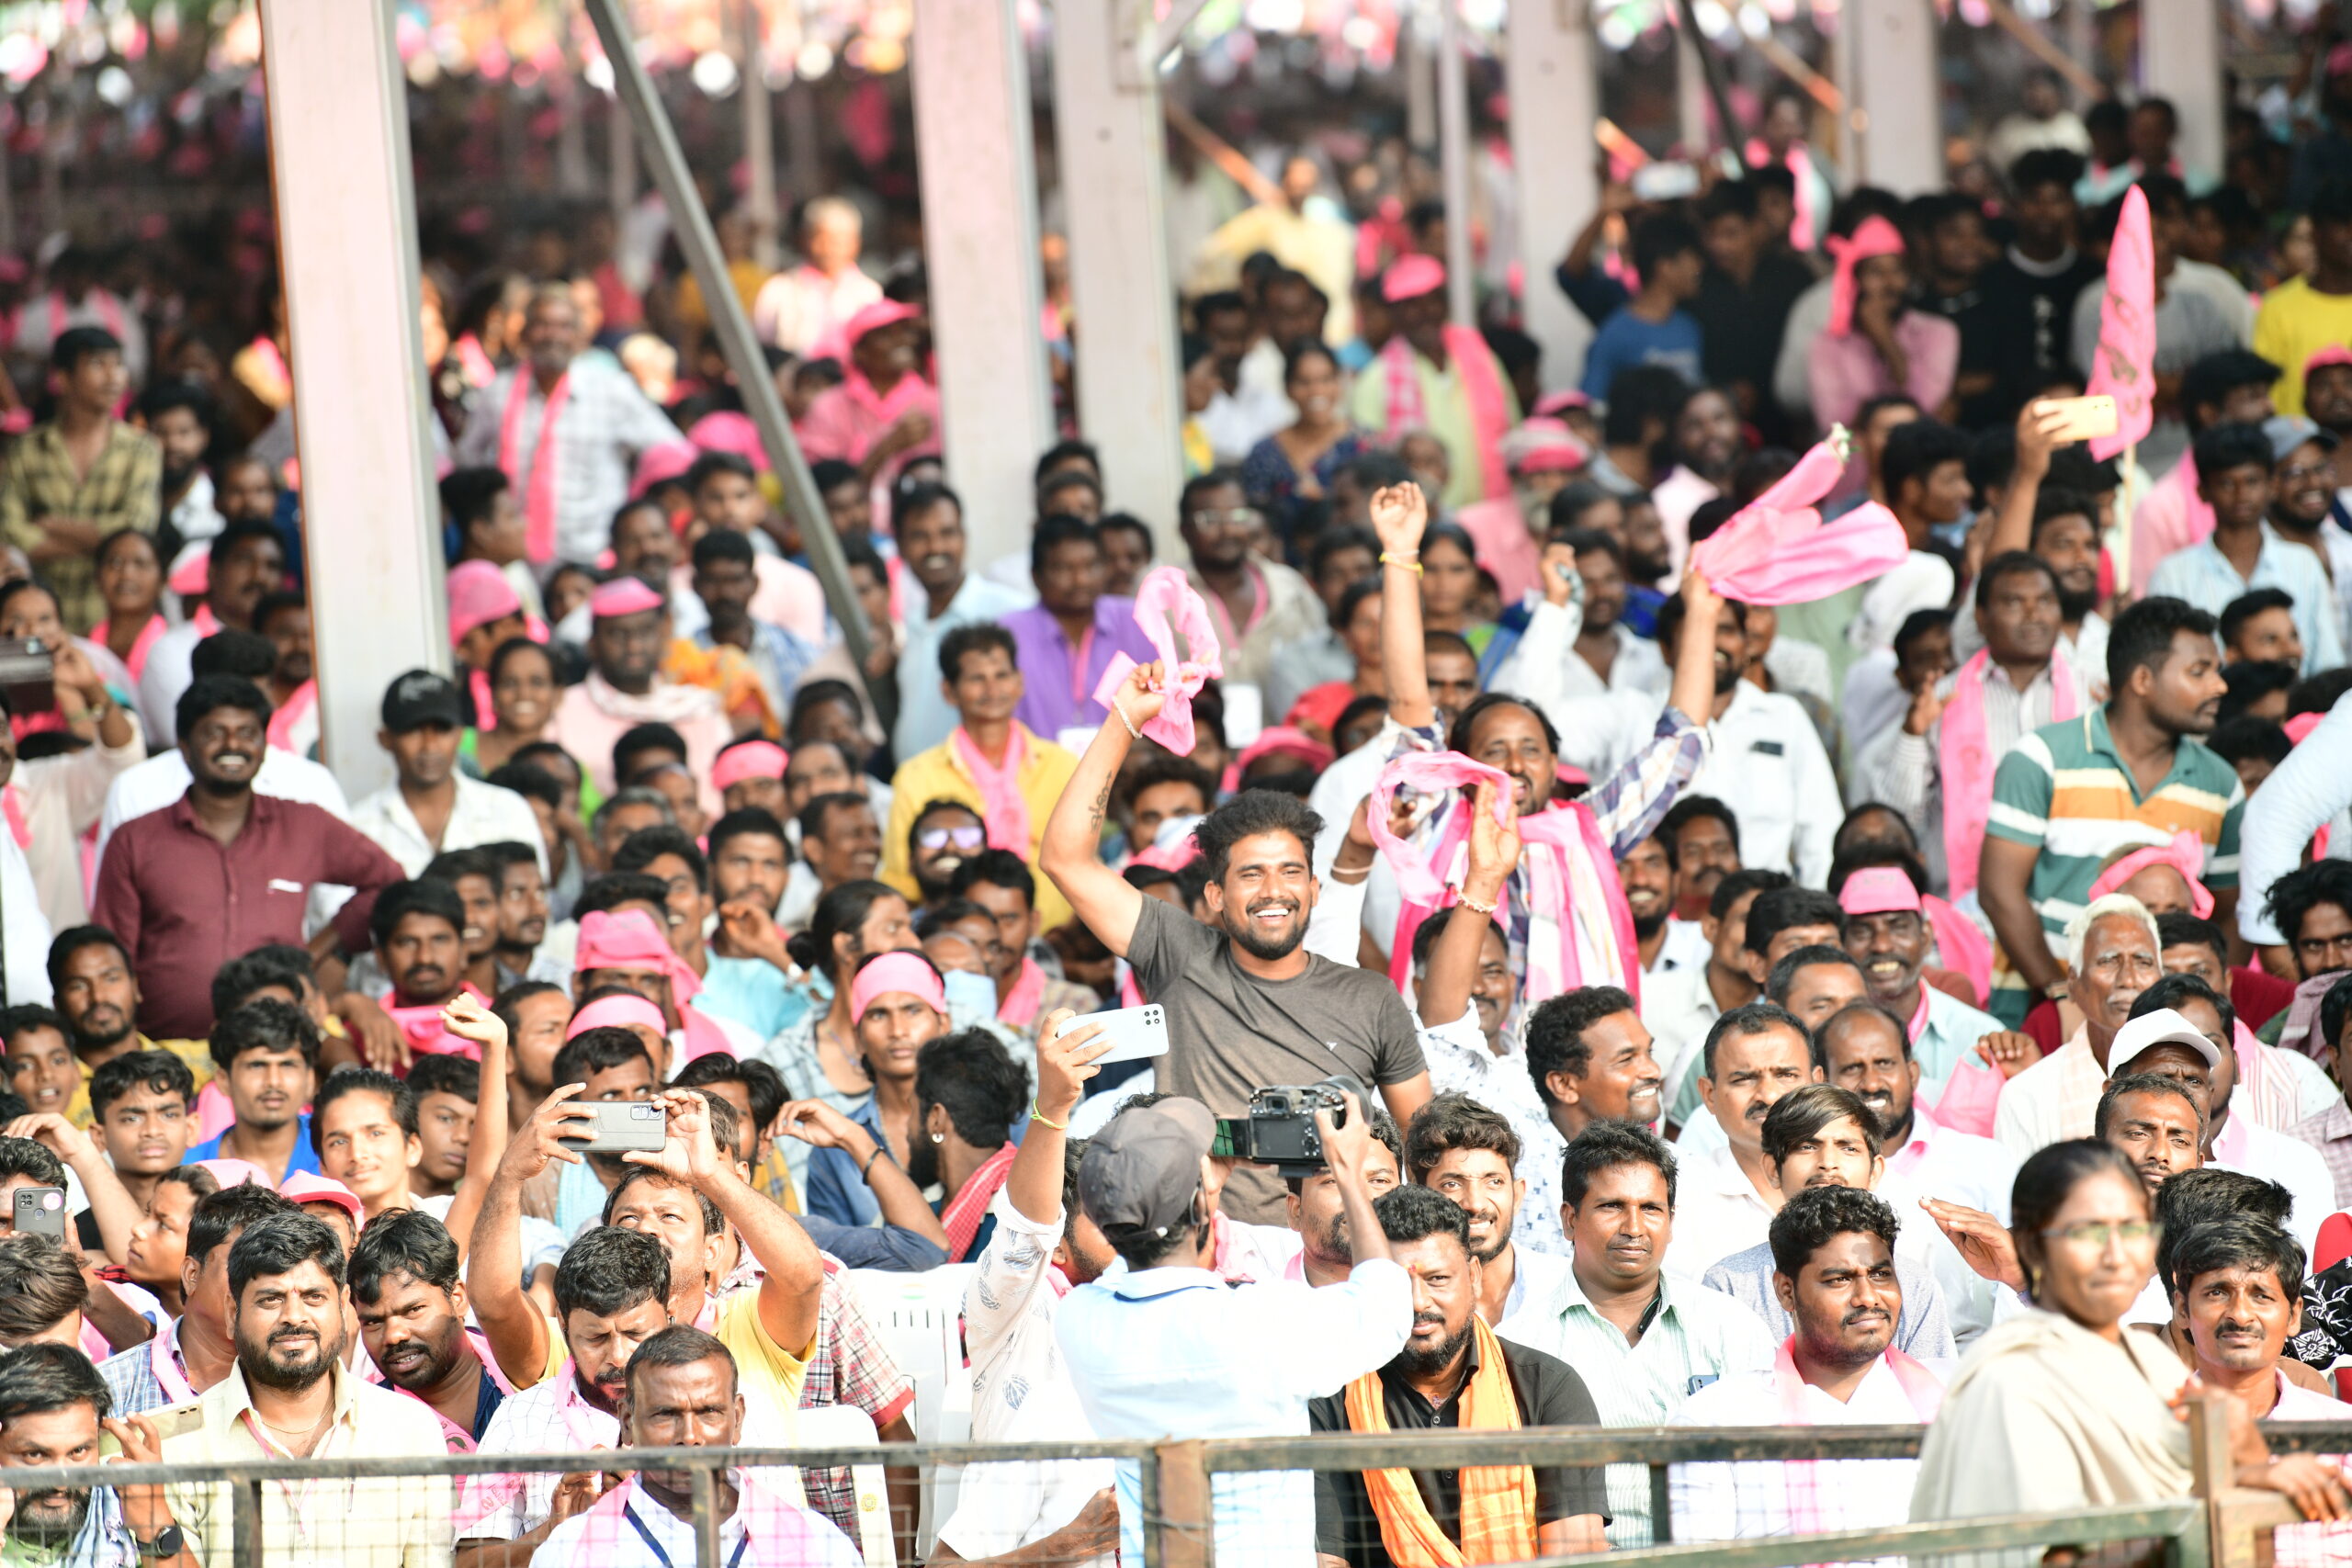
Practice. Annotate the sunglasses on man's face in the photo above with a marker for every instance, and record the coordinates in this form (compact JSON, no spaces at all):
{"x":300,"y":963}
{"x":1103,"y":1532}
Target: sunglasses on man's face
{"x":967,"y":838}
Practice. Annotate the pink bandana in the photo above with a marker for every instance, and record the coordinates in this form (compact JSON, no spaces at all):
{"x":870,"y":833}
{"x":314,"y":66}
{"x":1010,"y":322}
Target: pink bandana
{"x":625,"y":939}
{"x":1426,"y":772}
{"x":1875,"y":237}
{"x":1003,"y":808}
{"x":752,"y":759}
{"x":617,"y":1012}
{"x":1777,"y":550}
{"x":539,"y":486}
{"x":1166,"y":606}
{"x":2184,"y":853}
{"x":2123,"y":366}
{"x":1919,"y":1386}
{"x":1965,"y":761}
{"x":905,"y":972}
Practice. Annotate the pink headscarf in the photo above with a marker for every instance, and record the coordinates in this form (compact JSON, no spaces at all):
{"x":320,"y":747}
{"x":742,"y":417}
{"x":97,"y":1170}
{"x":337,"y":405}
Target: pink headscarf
{"x":1875,"y":237}
{"x":625,"y":939}
{"x":873,"y":318}
{"x":752,"y":759}
{"x":896,"y":972}
{"x":1166,"y":605}
{"x":2184,"y":853}
{"x":617,"y":1012}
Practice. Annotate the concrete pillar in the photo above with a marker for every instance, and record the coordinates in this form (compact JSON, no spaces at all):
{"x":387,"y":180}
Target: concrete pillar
{"x":1453,"y":164}
{"x":347,"y":224}
{"x":1554,"y":97}
{"x":1109,"y":137}
{"x":980,"y":207}
{"x":1902,"y":147}
{"x":1690,"y":89}
{"x":2180,"y":59}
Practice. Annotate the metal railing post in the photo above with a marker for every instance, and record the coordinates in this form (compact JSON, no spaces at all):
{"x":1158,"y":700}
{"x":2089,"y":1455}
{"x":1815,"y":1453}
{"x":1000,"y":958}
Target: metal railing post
{"x":244,"y":1524}
{"x":707,"y":1519}
{"x":1661,"y":1508}
{"x":1186,"y":1523}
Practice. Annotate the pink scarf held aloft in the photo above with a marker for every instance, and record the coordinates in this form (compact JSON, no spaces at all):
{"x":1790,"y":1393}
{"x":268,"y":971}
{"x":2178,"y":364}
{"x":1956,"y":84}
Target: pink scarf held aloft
{"x":1003,"y":808}
{"x":1167,"y":608}
{"x":538,"y":485}
{"x":1965,"y":761}
{"x":1490,"y":410}
{"x":1777,"y":550}
{"x":1874,"y":237}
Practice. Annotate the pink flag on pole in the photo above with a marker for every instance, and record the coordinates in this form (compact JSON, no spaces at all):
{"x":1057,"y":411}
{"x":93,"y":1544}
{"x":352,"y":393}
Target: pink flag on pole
{"x":2125,"y":366}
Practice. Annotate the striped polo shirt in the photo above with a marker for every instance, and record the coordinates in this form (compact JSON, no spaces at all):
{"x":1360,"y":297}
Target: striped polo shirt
{"x":2063,"y":790}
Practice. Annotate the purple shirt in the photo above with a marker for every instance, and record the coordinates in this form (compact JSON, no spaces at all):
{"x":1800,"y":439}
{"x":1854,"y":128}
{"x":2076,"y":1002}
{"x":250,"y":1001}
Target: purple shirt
{"x":1059,"y":680}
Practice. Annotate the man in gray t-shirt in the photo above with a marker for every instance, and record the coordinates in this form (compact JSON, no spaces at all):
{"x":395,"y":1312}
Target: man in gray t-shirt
{"x":1249,"y":1007}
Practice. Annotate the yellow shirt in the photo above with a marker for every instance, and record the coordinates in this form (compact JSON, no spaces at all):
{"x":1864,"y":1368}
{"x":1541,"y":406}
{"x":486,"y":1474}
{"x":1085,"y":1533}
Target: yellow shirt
{"x":2296,"y":321}
{"x":940,"y":774}
{"x":194,"y":1054}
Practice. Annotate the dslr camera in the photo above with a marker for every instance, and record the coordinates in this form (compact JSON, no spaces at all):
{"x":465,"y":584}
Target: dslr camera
{"x":1280,"y":1129}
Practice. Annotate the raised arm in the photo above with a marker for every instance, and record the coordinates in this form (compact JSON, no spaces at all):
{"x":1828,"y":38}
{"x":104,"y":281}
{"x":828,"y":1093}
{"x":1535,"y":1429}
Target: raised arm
{"x":1400,"y":514}
{"x":468,"y":1019}
{"x":820,"y":1126}
{"x":1064,"y":1064}
{"x":518,"y":1334}
{"x":1453,"y":961}
{"x":1694,"y":692}
{"x":1071,"y":853}
{"x":2013,"y":523}
{"x":114,"y":1209}
{"x":795,"y":1274}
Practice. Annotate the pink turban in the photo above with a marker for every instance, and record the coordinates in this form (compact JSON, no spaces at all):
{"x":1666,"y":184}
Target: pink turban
{"x":617,"y":1012}
{"x":892,"y":973}
{"x":1876,"y":237}
{"x":752,"y":759}
{"x":624,"y":596}
{"x":1878,"y":890}
{"x":2184,"y":853}
{"x":625,"y":939}
{"x":1410,"y":277}
{"x":479,"y":594}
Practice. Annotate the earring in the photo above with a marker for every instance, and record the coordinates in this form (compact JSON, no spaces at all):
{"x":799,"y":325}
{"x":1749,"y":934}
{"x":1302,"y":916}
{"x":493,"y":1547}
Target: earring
{"x":939,"y":1137}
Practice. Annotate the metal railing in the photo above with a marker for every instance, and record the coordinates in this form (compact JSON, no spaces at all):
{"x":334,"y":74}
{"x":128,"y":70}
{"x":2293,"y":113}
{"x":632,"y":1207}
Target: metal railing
{"x":2219,"y":1526}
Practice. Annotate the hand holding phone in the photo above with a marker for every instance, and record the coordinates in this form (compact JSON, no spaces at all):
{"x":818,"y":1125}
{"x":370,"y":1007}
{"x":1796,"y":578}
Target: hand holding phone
{"x":41,"y":1210}
{"x":2076,"y":419}
{"x":1134,"y":1033}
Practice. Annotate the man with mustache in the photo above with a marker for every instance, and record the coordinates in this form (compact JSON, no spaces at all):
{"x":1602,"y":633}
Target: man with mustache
{"x":1886,"y":930}
{"x":268,"y":1058}
{"x":2238,"y":1283}
{"x":1679,"y":1007}
{"x":1318,"y":1213}
{"x":1591,"y":1059}
{"x":1455,"y":1373}
{"x":411,"y":1310}
{"x":53,"y":1407}
{"x":1463,"y":1151}
{"x":1754,"y":1055}
{"x":1701,"y":838}
{"x":928,"y":521}
{"x":1834,"y":1275}
{"x":1865,"y":1050}
{"x":430,"y":806}
{"x":226,"y":869}
{"x":289,"y":1396}
{"x":1646,"y":873}
{"x":2114,"y":954}
{"x":197,"y":1350}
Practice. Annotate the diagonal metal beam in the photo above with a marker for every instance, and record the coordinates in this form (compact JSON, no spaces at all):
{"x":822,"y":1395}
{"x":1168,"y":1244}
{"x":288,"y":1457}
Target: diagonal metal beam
{"x":659,"y":142}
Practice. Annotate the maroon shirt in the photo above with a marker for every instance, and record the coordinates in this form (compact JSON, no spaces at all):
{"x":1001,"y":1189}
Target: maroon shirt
{"x":185,"y":903}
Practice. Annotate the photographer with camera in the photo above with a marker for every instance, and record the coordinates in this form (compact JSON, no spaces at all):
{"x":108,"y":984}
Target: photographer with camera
{"x":1159,"y":1344}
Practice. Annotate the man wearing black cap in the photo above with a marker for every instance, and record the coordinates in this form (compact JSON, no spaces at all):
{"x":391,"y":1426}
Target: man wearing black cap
{"x":430,"y":806}
{"x":1160,"y":1345}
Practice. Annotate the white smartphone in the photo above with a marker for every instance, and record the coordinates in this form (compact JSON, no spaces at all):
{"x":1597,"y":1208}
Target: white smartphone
{"x":1134,"y":1033}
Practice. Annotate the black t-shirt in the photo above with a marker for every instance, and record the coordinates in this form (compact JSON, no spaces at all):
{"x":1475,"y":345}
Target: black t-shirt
{"x":1231,"y":1032}
{"x":1549,"y":1394}
{"x":2031,"y":323}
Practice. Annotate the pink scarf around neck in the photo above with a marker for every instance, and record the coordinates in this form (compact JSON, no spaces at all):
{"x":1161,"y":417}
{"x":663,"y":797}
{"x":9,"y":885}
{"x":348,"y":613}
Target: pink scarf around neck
{"x":1002,"y":806}
{"x":1481,"y":386}
{"x":1966,"y":762}
{"x":538,"y":485}
{"x":962,"y":1217}
{"x":1021,"y":1004}
{"x":1919,"y":1387}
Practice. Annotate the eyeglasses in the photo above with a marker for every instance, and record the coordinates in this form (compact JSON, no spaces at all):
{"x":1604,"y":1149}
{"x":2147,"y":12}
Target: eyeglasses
{"x":1235,"y":516}
{"x":2099,"y":1233}
{"x":967,"y":838}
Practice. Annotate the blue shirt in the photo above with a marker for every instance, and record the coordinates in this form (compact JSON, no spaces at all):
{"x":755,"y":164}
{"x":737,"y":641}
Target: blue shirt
{"x":751,"y":991}
{"x":835,"y":1190}
{"x":2204,"y":576}
{"x":1625,"y":340}
{"x":925,"y":716}
{"x":1177,"y":1352}
{"x":304,"y":1158}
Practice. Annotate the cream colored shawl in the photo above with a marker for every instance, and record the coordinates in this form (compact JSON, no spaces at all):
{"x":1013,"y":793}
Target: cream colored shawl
{"x":2045,"y":1415}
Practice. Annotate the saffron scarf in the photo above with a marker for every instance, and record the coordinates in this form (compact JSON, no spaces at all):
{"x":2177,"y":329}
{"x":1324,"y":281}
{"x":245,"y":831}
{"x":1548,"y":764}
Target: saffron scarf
{"x":1028,"y":993}
{"x":962,"y":1217}
{"x":539,"y":487}
{"x":1919,"y":1386}
{"x":1965,"y":761}
{"x":1482,"y":388}
{"x":1497,"y":1501}
{"x":1003,"y":808}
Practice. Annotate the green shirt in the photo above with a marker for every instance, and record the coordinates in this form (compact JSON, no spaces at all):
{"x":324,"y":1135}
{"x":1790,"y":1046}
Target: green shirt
{"x":2065,"y":791}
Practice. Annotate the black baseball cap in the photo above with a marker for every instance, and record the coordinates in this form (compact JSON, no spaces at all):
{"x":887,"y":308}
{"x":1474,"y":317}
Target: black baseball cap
{"x":421,"y":697}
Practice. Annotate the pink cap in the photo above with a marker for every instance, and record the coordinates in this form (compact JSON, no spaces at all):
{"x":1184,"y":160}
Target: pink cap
{"x":479,"y":594}
{"x":231,"y":1172}
{"x":617,"y":1012}
{"x":2334,"y":354}
{"x":2184,"y":853}
{"x":1879,"y":890}
{"x":727,"y":431}
{"x":894,"y":973}
{"x":305,"y":1187}
{"x":873,"y":318}
{"x":1551,"y":404}
{"x":625,"y":939}
{"x":661,"y":464}
{"x":752,"y":759}
{"x":1284,"y":741}
{"x":1543,"y":446}
{"x":1410,"y":277}
{"x":624,"y":596}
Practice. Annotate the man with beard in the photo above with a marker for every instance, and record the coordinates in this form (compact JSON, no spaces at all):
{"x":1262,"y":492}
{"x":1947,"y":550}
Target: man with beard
{"x":267,"y":1054}
{"x":625,"y":688}
{"x":1754,"y":1057}
{"x":289,"y":1396}
{"x":420,"y":944}
{"x":1702,"y":839}
{"x":1936,"y":766}
{"x":1864,"y":1049}
{"x":746,"y":975}
{"x":1468,"y":1154}
{"x":225,"y":870}
{"x":1886,"y":930}
{"x":944,"y":835}
{"x":1823,"y":1136}
{"x":1646,"y":875}
{"x":2234,"y":468}
{"x":1608,"y":656}
{"x":928,"y":521}
{"x":180,"y":415}
{"x":53,"y":1406}
{"x":2136,"y":774}
{"x":1069,"y":636}
{"x":522,"y":950}
{"x":2303,"y":491}
{"x":726,"y":581}
{"x":612,"y":1293}
{"x":248,"y":560}
{"x":474,"y":877}
{"x":2113,"y":954}
{"x":1316,"y":1208}
{"x":1455,"y":1373}
{"x":1765,"y":754}
{"x":1246,"y":1004}
{"x":1591,"y":1060}
{"x":1706,"y":444}
{"x":1257,"y":605}
{"x":95,"y":992}
{"x":197,"y":1351}
{"x":411,"y":1310}
{"x":1834,"y":1273}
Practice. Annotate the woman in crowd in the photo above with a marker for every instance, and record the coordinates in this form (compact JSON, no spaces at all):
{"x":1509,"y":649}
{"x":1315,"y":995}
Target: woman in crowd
{"x":2064,"y":1408}
{"x":1450,"y":585}
{"x":1356,"y":620}
{"x":130,"y":581}
{"x":819,"y":1057}
{"x":1288,"y":474}
{"x":523,"y":694}
{"x":29,"y":614}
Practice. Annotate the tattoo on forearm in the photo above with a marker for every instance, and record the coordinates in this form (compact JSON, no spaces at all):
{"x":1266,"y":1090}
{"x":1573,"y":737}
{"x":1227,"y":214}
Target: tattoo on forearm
{"x":1102,"y":802}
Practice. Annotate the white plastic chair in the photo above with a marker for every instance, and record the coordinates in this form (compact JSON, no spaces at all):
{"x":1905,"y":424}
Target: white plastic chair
{"x":919,"y":1316}
{"x":847,"y":1427}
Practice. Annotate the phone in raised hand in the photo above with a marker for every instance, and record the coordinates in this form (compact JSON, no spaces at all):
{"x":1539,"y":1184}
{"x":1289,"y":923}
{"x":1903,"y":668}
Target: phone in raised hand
{"x":1134,"y":1033}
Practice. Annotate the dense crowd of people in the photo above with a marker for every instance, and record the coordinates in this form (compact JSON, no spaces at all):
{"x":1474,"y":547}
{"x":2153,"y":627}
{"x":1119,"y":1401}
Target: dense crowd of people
{"x":1715,"y":986}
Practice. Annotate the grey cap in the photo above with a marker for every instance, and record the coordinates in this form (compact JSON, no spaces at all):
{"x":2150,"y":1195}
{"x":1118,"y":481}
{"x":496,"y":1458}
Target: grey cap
{"x":2286,"y":431}
{"x":1141,"y":1170}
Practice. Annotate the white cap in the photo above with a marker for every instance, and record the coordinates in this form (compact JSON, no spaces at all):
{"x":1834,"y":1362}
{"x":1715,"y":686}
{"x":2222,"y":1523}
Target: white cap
{"x":2162,"y":1027}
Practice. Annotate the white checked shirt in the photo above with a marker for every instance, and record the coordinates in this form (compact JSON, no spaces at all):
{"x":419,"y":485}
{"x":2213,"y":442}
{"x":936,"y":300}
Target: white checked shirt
{"x":605,"y":424}
{"x":1541,"y":1150}
{"x":547,"y":1417}
{"x":1698,"y":1337}
{"x":482,"y":814}
{"x":1460,"y":1061}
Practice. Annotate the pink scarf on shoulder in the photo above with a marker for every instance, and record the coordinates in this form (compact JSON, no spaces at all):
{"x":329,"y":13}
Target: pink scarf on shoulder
{"x":538,"y":484}
{"x":1028,"y":994}
{"x":1481,"y":386}
{"x":1965,"y":763}
{"x":1003,"y":808}
{"x":1919,"y":1386}
{"x":962,"y":1217}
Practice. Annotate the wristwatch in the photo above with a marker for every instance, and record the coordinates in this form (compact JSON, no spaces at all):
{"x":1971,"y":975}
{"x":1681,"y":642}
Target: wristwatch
{"x":166,"y":1543}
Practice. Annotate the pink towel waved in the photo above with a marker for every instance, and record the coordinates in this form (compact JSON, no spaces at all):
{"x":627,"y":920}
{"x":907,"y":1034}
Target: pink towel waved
{"x":1777,"y":550}
{"x":1165,"y":607}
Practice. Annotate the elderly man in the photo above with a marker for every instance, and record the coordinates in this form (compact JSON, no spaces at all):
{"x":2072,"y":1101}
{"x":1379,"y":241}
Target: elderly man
{"x":567,"y":429}
{"x":625,"y":688}
{"x":2113,"y":954}
{"x":803,"y":309}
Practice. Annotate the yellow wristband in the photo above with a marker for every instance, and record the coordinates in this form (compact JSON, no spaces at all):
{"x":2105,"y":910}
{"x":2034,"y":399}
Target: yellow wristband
{"x":1037,"y":1114}
{"x":1412,"y":563}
